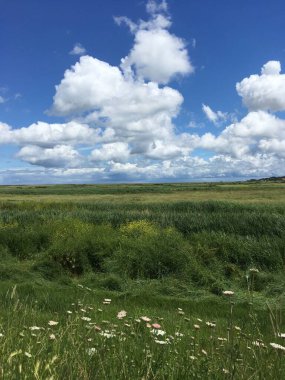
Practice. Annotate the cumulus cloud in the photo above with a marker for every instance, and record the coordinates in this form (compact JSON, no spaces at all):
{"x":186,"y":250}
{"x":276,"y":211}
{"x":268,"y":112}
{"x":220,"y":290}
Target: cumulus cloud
{"x":78,"y":49}
{"x":48,"y":135}
{"x":266,"y":91}
{"x":116,"y":152}
{"x":157,"y":55}
{"x":130,"y":110}
{"x":58,"y":156}
{"x":121,"y":119}
{"x":214,"y":117}
{"x":5,"y":133}
{"x":244,"y":137}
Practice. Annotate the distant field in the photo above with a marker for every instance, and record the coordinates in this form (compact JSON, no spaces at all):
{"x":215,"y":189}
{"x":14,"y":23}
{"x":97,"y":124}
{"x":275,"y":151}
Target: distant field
{"x":256,"y":192}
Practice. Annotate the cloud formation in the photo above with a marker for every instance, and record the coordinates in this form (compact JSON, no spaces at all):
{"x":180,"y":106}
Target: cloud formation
{"x":120,"y":120}
{"x":214,"y":117}
{"x":157,"y":55}
{"x":266,"y":91}
{"x":78,"y":49}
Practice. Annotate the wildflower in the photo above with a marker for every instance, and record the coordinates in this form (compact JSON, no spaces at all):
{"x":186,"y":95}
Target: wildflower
{"x":52,"y":337}
{"x":100,"y":310}
{"x":107,"y":300}
{"x":97,"y":328}
{"x":1,"y":335}
{"x":196,"y":327}
{"x":210,"y":324}
{"x":91,"y":351}
{"x":157,"y":332}
{"x":277,"y":346}
{"x":258,"y":343}
{"x":160,"y":341}
{"x":254,"y":270}
{"x":69,"y":312}
{"x":204,"y":352}
{"x":107,"y":334}
{"x":52,"y":323}
{"x":33,"y":328}
{"x":83,"y":310}
{"x":193,"y":357}
{"x":222,"y":339}
{"x":156,"y":326}
{"x":199,"y":320}
{"x":281,"y":335}
{"x":179,"y":334}
{"x":145,"y":319}
{"x":180,"y":312}
{"x":86,"y":319}
{"x":28,"y":354}
{"x":121,"y":314}
{"x":237,"y":328}
{"x":228,"y":293}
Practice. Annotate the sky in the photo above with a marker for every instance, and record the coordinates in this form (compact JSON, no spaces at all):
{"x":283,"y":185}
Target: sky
{"x":106,"y":91}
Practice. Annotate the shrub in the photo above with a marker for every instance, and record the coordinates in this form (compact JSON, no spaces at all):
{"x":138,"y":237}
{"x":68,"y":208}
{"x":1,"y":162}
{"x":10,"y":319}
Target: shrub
{"x":49,"y":269}
{"x":112,"y":282}
{"x":70,"y":245}
{"x":148,"y":251}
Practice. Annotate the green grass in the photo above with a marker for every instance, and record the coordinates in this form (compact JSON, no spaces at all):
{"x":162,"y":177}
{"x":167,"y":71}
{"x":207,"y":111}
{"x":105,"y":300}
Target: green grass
{"x":152,"y":249}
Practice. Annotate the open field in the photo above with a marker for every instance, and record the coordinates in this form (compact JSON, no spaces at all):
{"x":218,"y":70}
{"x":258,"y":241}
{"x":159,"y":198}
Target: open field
{"x":237,"y":192}
{"x":167,"y":252}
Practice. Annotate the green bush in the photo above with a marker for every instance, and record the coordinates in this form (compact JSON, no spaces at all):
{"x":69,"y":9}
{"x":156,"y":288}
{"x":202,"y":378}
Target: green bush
{"x":148,"y":251}
{"x":49,"y":269}
{"x":79,"y":246}
{"x":70,"y":246}
{"x":112,"y":282}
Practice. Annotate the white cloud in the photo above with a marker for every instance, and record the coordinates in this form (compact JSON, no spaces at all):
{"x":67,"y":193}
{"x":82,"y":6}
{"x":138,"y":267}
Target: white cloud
{"x":48,"y":135}
{"x":129,"y":110}
{"x":275,"y":146}
{"x":116,"y":152}
{"x":122,"y":120}
{"x":5,"y":134}
{"x":58,"y":156}
{"x":2,"y":100}
{"x":266,"y":91}
{"x":78,"y":49}
{"x":153,"y":7}
{"x":157,"y":55}
{"x":214,"y":117}
{"x":244,"y":137}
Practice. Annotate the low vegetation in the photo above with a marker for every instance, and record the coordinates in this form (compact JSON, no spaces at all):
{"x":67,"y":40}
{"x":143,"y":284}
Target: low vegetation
{"x":175,"y":261}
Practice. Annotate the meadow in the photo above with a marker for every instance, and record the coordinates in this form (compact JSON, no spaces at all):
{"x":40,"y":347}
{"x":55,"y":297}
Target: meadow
{"x":143,"y":281}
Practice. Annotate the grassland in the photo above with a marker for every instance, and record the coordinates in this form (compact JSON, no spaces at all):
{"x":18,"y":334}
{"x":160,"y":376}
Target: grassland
{"x":165,"y":251}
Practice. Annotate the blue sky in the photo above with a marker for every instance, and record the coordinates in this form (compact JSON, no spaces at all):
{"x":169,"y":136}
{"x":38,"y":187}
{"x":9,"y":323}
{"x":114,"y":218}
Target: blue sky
{"x":131,"y":90}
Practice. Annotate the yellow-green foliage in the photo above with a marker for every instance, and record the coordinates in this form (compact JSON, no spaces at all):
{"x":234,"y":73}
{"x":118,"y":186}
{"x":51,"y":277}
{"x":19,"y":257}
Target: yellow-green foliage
{"x":147,"y":250}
